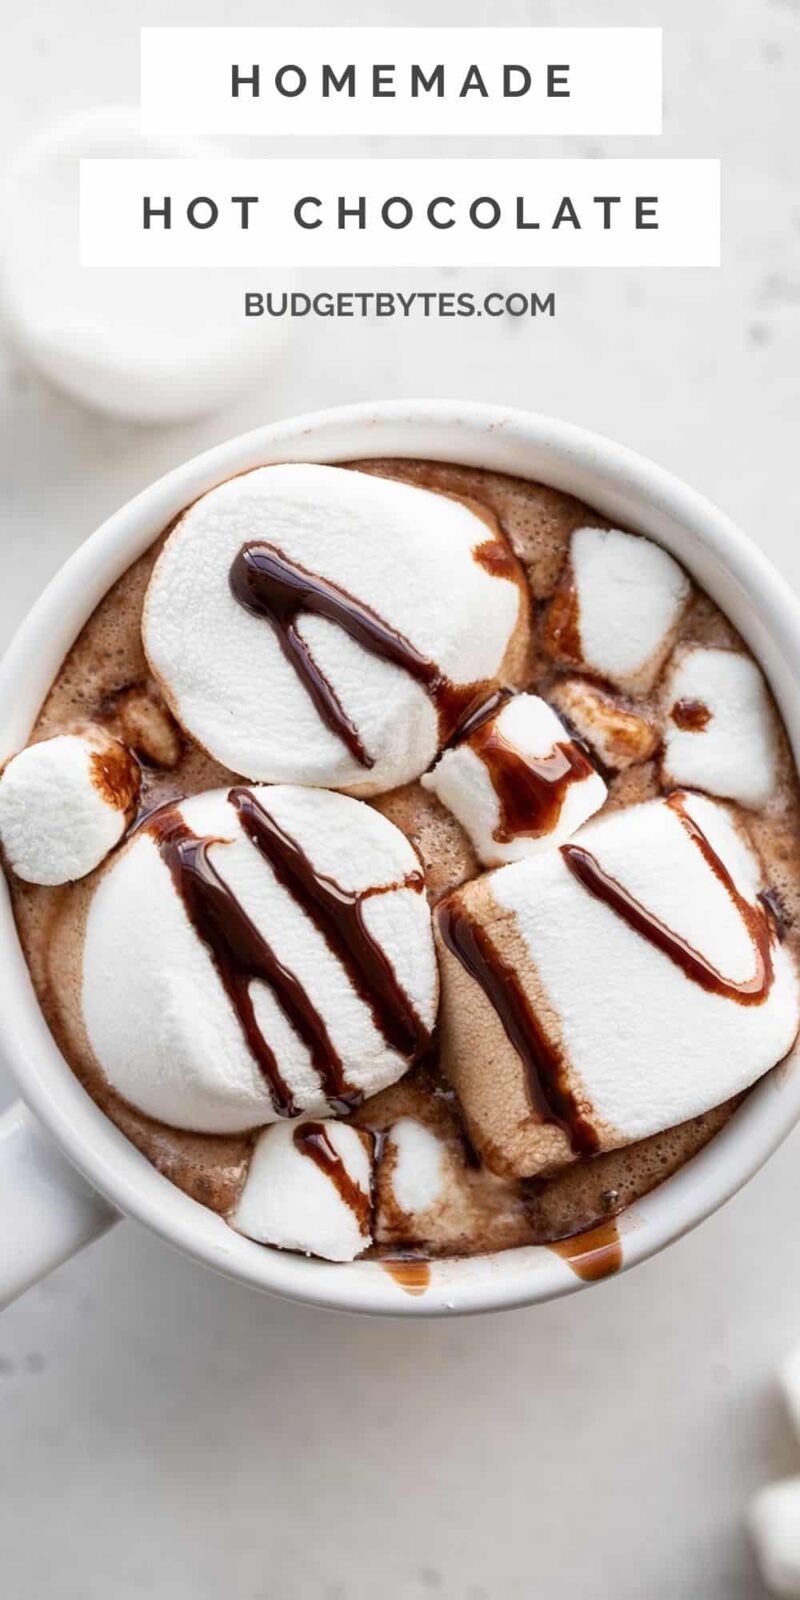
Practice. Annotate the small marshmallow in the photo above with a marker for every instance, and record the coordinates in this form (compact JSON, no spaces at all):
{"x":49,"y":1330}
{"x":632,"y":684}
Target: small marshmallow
{"x":619,"y":737}
{"x":417,"y":1165}
{"x":617,"y":607}
{"x":621,"y":1029}
{"x":411,"y":557}
{"x":424,"y":1198}
{"x":775,"y":1528}
{"x":719,"y":727}
{"x":518,"y":783}
{"x":148,"y":728}
{"x":309,"y":1188}
{"x":64,"y":803}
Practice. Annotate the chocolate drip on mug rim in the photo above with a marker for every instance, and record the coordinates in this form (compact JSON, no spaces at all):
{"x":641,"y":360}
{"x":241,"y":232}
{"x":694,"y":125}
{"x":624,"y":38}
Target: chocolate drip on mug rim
{"x":269,"y":585}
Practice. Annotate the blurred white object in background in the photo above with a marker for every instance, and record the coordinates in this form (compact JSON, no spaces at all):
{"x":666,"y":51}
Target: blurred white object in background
{"x":774,"y":1515}
{"x":155,"y":345}
{"x":789,"y":1378}
{"x":775,"y":1526}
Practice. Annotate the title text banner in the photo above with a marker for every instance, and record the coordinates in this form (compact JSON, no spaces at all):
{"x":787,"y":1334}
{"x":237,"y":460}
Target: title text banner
{"x":471,"y":82}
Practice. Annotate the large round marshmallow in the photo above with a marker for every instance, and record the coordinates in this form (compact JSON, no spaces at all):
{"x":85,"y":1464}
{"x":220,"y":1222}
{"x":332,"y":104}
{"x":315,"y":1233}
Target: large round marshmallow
{"x":64,"y":803}
{"x":719,"y":728}
{"x":158,"y":1016}
{"x":618,"y":606}
{"x":642,"y":1046}
{"x":406,"y":553}
{"x":530,"y":731}
{"x":290,"y":1201}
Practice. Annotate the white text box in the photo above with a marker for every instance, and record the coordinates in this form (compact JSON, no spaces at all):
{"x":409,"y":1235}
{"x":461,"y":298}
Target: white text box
{"x":395,"y":213}
{"x":519,"y":81}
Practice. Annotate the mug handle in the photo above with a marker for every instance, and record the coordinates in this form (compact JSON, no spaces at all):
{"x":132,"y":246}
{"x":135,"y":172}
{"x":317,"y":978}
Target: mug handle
{"x":48,"y":1210}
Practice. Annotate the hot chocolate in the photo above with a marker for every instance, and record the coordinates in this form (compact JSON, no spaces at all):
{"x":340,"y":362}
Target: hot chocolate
{"x":462,"y":901}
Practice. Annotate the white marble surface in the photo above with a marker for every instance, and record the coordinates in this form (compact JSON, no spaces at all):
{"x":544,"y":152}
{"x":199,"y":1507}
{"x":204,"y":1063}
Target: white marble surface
{"x":167,"y":1434}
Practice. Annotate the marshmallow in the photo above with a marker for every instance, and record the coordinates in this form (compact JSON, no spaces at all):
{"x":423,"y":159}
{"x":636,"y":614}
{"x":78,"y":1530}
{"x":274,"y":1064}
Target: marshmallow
{"x":426,"y":1196}
{"x":619,"y":737}
{"x":617,"y":608}
{"x":615,"y":1038}
{"x":168,"y":1031}
{"x":410,"y":557}
{"x":790,"y":1385}
{"x":417,"y":1162}
{"x":154,"y":344}
{"x":775,"y":1527}
{"x":719,"y":727}
{"x":64,"y":803}
{"x":309,"y":1188}
{"x":518,"y":783}
{"x":148,"y":728}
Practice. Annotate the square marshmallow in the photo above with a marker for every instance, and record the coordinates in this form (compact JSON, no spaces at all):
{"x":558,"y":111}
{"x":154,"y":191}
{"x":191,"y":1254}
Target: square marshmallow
{"x":719,"y":726}
{"x":518,"y":783}
{"x":634,"y":1042}
{"x":617,"y":608}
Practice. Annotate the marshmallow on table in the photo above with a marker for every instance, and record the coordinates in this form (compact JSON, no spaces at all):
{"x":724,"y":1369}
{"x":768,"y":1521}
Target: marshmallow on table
{"x":790,"y":1385}
{"x":775,"y":1527}
{"x":411,"y":557}
{"x":64,"y":803}
{"x":149,"y":343}
{"x":163,"y":1026}
{"x":519,"y":783}
{"x":619,"y":736}
{"x":308,"y":1188}
{"x":623,"y":1041}
{"x":719,"y":726}
{"x":617,"y":607}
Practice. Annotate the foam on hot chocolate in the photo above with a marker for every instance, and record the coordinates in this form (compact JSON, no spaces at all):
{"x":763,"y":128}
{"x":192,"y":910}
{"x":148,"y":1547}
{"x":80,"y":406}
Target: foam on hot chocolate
{"x":599,"y":993}
{"x":317,"y":626}
{"x":255,"y":953}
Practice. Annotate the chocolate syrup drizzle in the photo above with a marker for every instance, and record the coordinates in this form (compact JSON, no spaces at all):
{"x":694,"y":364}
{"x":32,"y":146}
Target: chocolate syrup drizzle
{"x":241,"y":954}
{"x":265,"y":582}
{"x":313,"y":1140}
{"x":749,"y":991}
{"x":530,"y":789}
{"x":550,"y":1093}
{"x":549,"y":1090}
{"x":339,"y":915}
{"x":690,"y":715}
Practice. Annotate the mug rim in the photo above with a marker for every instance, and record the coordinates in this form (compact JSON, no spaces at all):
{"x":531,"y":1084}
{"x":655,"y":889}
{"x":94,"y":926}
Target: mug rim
{"x":614,"y":480}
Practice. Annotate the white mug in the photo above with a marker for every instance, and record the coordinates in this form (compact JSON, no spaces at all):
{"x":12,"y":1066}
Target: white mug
{"x":66,"y":1172}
